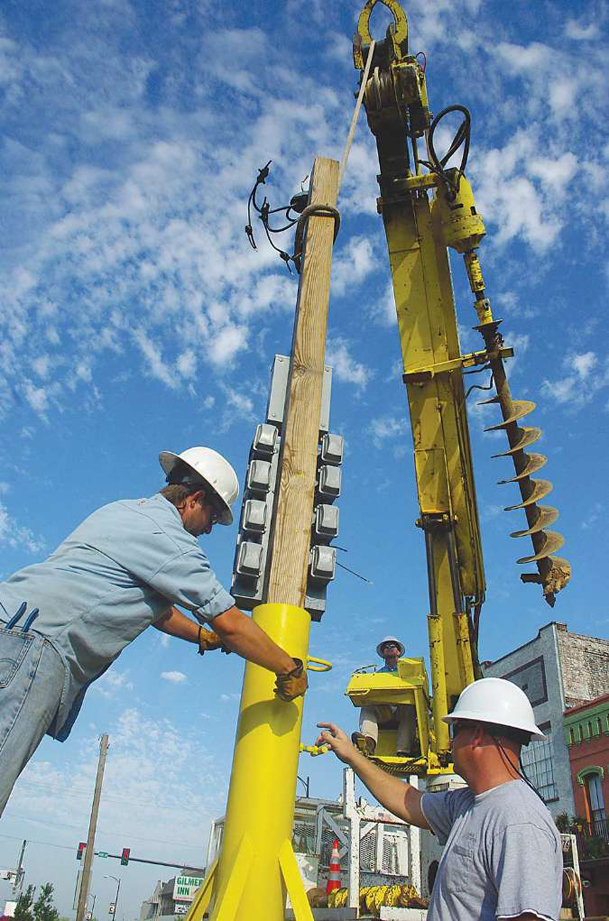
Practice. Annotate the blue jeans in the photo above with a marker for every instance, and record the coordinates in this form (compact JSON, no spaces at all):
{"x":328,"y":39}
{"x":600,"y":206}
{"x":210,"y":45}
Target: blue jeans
{"x":32,"y":676}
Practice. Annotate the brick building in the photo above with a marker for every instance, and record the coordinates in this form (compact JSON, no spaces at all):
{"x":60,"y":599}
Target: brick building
{"x":557,"y":670}
{"x":586,"y":730}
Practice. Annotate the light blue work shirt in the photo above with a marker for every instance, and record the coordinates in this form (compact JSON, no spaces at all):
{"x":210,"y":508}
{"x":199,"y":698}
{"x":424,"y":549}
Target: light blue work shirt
{"x":116,"y":574}
{"x":387,"y":668}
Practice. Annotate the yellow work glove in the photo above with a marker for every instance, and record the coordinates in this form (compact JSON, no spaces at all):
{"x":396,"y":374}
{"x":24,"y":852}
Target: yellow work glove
{"x":208,"y":640}
{"x":292,"y":684}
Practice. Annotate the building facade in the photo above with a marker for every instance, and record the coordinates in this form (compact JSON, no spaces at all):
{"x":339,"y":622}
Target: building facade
{"x":172,"y":899}
{"x":557,"y":670}
{"x":586,"y":730}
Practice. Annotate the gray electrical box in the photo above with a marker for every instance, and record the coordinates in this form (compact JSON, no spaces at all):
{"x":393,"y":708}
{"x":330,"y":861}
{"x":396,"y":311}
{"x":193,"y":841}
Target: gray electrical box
{"x":326,"y":522}
{"x":265,"y":439}
{"x":253,"y":551}
{"x":254,"y":516}
{"x":249,"y":559}
{"x":259,"y":476}
{"x":323,"y":564}
{"x":332,"y":449}
{"x":279,"y":387}
{"x":329,"y":482}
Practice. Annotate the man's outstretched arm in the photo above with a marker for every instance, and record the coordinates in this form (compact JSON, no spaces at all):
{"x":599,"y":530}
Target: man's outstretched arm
{"x":238,"y":633}
{"x":398,"y":797}
{"x":243,"y":636}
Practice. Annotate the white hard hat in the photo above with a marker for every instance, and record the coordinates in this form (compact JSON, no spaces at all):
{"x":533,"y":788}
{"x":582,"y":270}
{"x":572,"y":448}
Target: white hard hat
{"x":390,"y":639}
{"x":213,"y":469}
{"x":498,"y":701}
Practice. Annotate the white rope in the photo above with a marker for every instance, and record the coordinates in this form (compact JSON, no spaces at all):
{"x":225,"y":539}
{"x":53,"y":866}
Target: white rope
{"x":358,"y":104}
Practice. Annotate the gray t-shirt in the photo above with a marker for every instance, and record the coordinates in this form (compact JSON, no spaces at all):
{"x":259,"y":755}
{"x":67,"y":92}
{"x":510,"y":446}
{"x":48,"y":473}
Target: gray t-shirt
{"x":503,"y":854}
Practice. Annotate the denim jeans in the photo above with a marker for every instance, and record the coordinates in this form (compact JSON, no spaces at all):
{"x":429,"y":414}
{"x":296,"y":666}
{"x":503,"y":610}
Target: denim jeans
{"x":32,"y":677}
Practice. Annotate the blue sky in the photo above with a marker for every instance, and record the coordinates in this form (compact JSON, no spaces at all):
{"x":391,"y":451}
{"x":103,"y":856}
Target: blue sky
{"x":134,"y":317}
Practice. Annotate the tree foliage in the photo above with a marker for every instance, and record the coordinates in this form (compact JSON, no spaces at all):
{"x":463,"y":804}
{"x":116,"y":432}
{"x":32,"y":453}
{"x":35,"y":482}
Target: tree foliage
{"x":42,"y":909}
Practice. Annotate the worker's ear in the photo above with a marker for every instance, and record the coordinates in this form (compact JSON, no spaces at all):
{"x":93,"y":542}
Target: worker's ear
{"x":197,"y":496}
{"x":479,"y":736}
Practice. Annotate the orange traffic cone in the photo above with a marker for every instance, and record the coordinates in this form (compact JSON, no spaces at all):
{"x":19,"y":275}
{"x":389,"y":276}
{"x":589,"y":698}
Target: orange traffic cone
{"x":334,"y":874}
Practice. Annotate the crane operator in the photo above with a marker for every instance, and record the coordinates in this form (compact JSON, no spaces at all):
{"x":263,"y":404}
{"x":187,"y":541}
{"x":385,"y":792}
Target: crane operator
{"x":390,"y":649}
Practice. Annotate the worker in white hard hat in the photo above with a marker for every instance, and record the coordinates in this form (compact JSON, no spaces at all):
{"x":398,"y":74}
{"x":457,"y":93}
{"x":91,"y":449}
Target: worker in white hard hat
{"x":390,"y":649}
{"x":502,"y":856}
{"x":65,"y":620}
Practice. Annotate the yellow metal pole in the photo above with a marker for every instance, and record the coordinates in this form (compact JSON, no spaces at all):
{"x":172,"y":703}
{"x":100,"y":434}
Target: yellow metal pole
{"x":249,"y":880}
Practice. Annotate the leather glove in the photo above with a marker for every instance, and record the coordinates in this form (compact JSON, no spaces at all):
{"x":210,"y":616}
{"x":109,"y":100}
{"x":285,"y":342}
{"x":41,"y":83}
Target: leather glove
{"x":208,"y":641}
{"x":292,"y":684}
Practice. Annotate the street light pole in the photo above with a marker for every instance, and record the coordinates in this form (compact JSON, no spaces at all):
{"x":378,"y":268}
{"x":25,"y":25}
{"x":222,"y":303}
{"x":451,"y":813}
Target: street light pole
{"x":118,"y":889}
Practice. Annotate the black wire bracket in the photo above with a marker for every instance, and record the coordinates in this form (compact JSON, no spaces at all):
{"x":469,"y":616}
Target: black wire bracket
{"x":296,"y":214}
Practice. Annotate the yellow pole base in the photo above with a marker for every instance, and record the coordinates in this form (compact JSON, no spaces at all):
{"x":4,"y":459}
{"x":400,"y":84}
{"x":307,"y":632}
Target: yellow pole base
{"x":257,"y":866}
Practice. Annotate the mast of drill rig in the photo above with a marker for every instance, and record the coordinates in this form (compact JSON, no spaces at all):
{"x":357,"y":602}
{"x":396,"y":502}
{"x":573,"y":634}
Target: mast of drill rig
{"x":424,"y":213}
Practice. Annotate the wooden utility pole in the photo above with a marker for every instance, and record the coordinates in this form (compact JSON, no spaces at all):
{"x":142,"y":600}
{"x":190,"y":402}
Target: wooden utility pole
{"x":298,"y":463}
{"x":257,"y":864}
{"x":89,"y":852}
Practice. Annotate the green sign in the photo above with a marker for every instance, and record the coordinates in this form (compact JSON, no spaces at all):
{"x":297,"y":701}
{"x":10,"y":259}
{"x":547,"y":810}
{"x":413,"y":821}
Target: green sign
{"x":185,"y":887}
{"x":102,"y":853}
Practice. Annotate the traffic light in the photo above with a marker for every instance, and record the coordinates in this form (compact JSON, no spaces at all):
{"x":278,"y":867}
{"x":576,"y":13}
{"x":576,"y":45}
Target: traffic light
{"x":125,"y":856}
{"x":82,"y":846}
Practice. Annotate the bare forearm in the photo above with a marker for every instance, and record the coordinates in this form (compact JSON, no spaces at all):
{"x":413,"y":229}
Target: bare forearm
{"x":398,"y":797}
{"x":245,"y":637}
{"x":177,"y":624}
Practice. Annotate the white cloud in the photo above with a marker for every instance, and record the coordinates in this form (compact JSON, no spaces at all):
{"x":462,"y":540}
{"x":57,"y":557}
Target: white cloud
{"x":593,"y":516}
{"x":15,"y":535}
{"x":345,"y":368}
{"x":112,"y":683}
{"x":352,"y":265}
{"x":577,"y":31}
{"x":384,"y":308}
{"x":584,"y":364}
{"x":174,"y":677}
{"x":512,"y":201}
{"x":387,"y":427}
{"x":150,"y":787}
{"x":579,"y":385}
{"x":227,"y":343}
{"x":554,"y":172}
{"x":154,"y":363}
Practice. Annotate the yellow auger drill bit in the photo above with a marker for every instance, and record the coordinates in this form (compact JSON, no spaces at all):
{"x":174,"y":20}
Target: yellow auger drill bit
{"x":463,"y":230}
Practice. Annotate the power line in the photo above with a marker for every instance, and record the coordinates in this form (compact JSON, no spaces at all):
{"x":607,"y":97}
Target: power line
{"x":112,"y":834}
{"x":64,"y":847}
{"x":107,"y":797}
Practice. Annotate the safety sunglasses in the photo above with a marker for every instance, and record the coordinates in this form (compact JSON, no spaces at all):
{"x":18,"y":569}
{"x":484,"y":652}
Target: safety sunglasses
{"x":216,"y":508}
{"x":455,"y":728}
{"x":215,"y":505}
{"x":391,"y":646}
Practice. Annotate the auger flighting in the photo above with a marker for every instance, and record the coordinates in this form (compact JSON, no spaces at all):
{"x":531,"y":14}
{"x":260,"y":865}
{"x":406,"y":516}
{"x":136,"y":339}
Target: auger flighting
{"x":463,"y":231}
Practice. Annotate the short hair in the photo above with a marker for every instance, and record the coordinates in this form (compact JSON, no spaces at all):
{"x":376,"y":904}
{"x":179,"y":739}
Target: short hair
{"x":519,"y":736}
{"x":177,"y":493}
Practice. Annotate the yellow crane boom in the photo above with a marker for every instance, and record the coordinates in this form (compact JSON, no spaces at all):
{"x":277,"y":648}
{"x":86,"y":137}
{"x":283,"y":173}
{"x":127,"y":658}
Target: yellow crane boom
{"x":426,"y":211}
